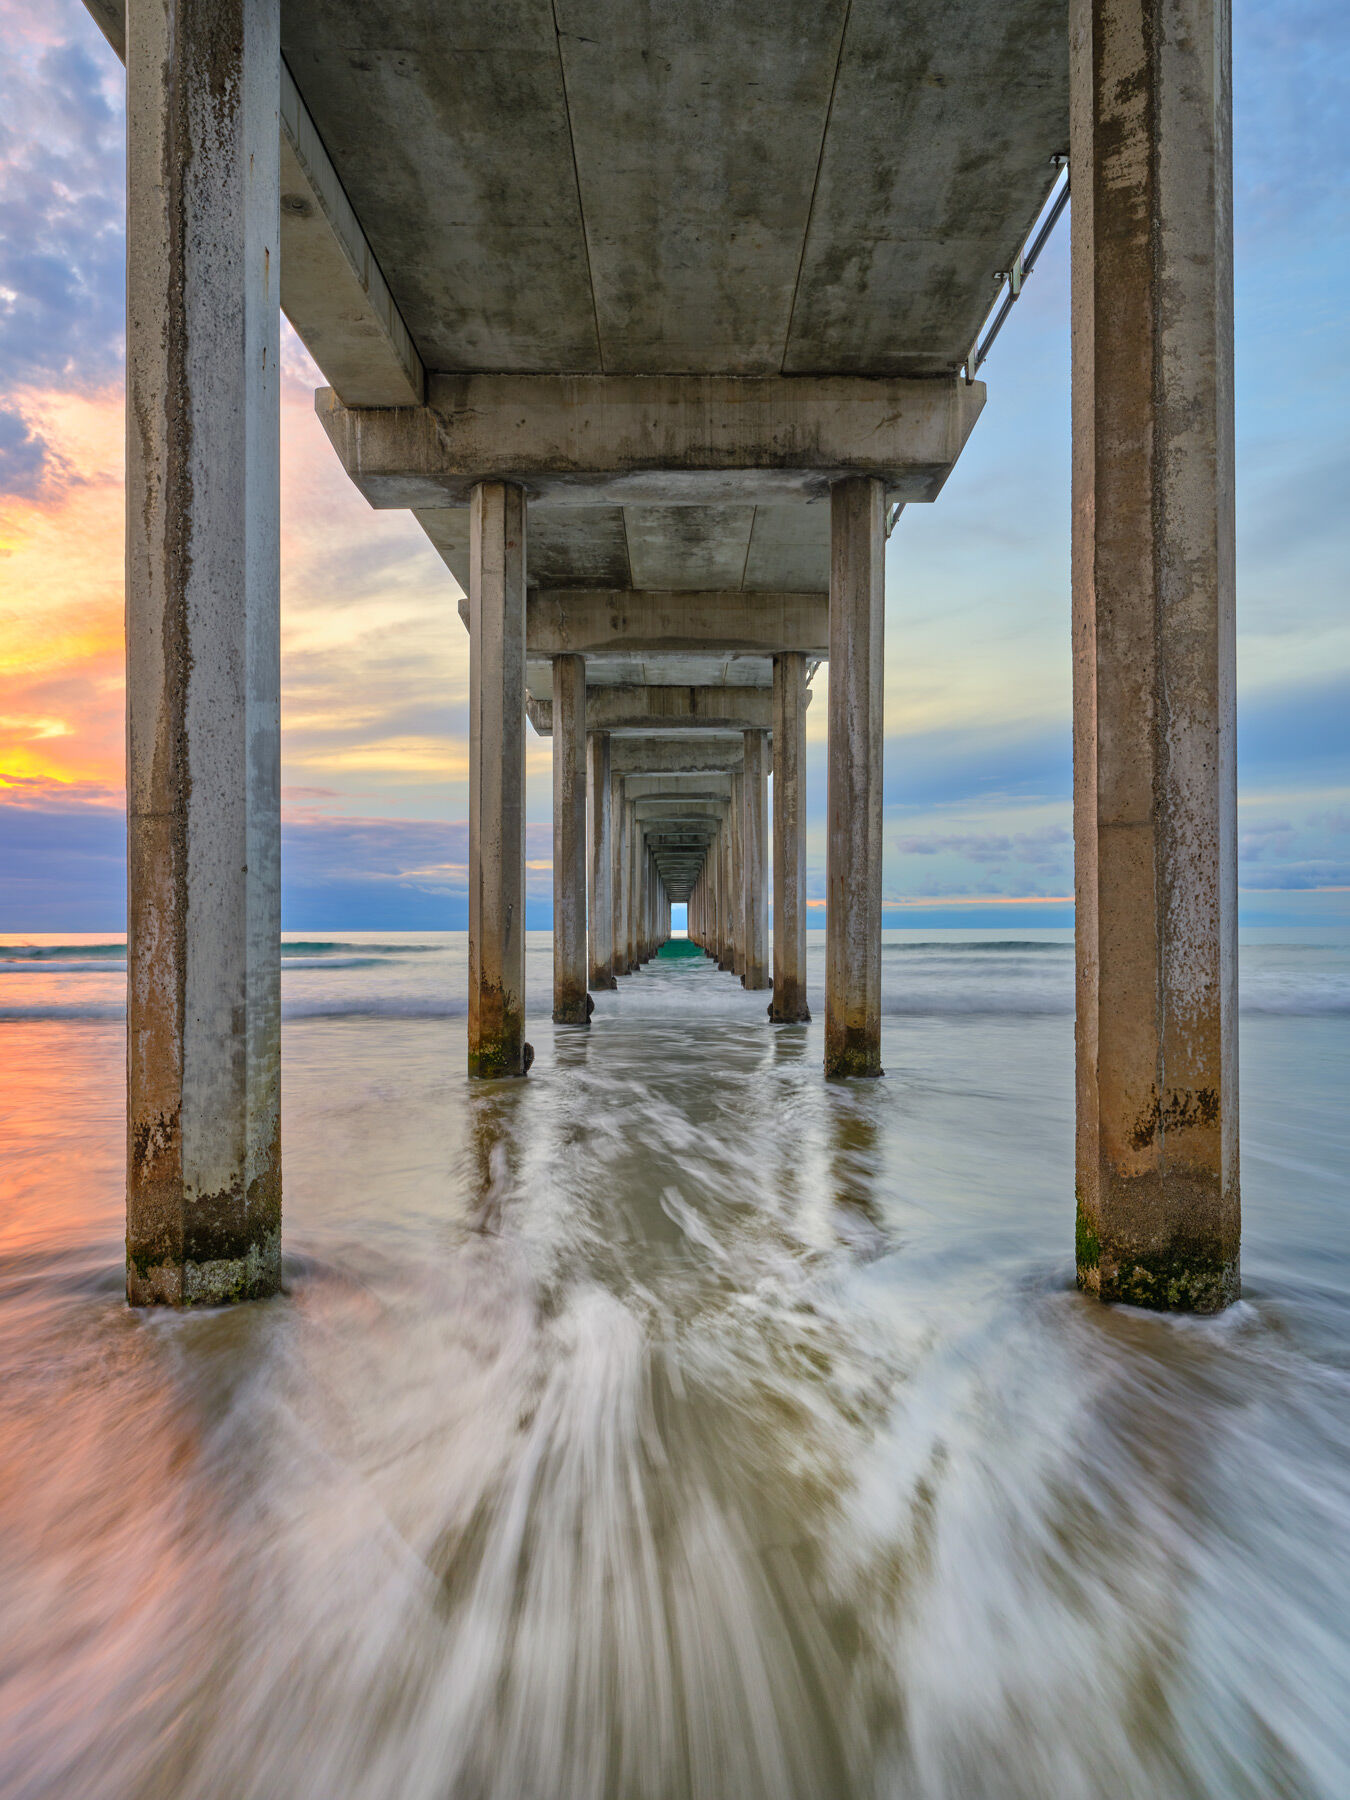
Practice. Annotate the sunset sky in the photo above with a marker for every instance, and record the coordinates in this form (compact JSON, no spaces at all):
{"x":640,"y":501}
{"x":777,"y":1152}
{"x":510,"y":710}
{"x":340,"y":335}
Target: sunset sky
{"x":375,"y":660}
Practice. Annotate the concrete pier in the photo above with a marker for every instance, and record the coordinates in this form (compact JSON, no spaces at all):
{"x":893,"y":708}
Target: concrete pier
{"x":755,"y":839}
{"x":853,"y":876}
{"x":570,"y":998}
{"x":497,"y":781}
{"x":599,"y":863}
{"x":789,"y":840}
{"x":1155,"y":788}
{"x":710,"y":464}
{"x":202,"y":619}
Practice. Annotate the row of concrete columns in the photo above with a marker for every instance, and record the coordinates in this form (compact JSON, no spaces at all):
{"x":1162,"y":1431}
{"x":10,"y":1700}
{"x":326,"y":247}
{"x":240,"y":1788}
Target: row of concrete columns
{"x":1153,"y":706}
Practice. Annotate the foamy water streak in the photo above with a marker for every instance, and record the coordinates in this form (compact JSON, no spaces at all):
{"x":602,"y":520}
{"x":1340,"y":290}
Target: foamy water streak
{"x":673,"y":1424}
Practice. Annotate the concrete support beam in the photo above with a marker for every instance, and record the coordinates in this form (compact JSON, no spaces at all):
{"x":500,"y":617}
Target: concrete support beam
{"x":571,"y":1002}
{"x":853,"y":905}
{"x":725,"y":707}
{"x":592,"y":440}
{"x":332,"y":288}
{"x":1155,"y":788}
{"x":755,"y":838}
{"x":789,"y":841}
{"x":619,"y":621}
{"x":203,"y":662}
{"x":712,"y":788}
{"x":497,"y":782}
{"x":698,"y":754}
{"x":657,"y":808}
{"x":600,"y":862}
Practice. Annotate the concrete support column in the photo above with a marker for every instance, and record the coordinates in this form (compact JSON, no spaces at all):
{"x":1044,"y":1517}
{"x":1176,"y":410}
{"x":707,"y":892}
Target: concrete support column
{"x":634,"y":888}
{"x":853,"y":904}
{"x":202,"y":622}
{"x":755,"y":838}
{"x":570,"y":999}
{"x":789,"y":841}
{"x":727,"y":957}
{"x":623,"y":962}
{"x":497,"y":780}
{"x":736,"y":823}
{"x":600,"y":904}
{"x":1154,"y":783}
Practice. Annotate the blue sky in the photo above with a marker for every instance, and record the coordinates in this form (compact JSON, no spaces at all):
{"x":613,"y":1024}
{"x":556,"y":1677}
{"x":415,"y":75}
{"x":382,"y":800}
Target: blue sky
{"x":375,"y":659}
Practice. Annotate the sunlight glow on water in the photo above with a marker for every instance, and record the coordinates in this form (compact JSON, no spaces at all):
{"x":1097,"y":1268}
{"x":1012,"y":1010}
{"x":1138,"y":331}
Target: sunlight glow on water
{"x":672,"y":1424}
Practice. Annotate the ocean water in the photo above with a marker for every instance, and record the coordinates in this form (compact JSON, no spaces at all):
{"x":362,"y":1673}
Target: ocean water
{"x":672,"y":1423}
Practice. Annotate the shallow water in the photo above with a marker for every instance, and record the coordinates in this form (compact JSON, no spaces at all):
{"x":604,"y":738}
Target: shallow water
{"x":672,"y":1423}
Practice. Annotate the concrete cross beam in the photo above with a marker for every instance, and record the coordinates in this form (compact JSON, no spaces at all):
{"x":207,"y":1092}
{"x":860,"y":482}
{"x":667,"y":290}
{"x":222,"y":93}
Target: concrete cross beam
{"x":703,"y":810}
{"x":633,"y":622}
{"x":332,"y":288}
{"x":588,"y":440}
{"x":714,"y":788}
{"x":619,"y":709}
{"x":697,"y":754}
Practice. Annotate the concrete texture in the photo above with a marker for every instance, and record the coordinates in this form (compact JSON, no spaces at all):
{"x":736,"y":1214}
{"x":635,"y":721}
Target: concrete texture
{"x":606,"y":439}
{"x":853,"y":865}
{"x":777,"y":185}
{"x":789,"y":841}
{"x":1155,"y":789}
{"x":497,"y":783}
{"x":640,"y":709}
{"x":332,"y":288}
{"x":203,"y":796}
{"x":599,"y":863}
{"x":570,"y":998}
{"x":614,"y":622}
{"x":755,"y":858}
{"x":684,"y":753}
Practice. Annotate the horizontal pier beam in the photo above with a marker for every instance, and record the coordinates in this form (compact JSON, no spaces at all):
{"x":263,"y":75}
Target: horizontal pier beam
{"x":593,"y":440}
{"x":618,"y":709}
{"x":684,"y":753}
{"x":624,"y":621}
{"x":714,"y":788}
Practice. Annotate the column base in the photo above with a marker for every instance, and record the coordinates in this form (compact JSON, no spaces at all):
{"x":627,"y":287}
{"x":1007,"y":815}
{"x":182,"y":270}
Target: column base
{"x":252,"y":1275}
{"x":1187,"y":1271}
{"x":500,"y":1061}
{"x":789,"y":1012}
{"x":853,"y":1054}
{"x":573,"y":1009}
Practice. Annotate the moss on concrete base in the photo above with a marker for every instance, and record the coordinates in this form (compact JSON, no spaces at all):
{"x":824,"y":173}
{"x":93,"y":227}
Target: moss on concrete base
{"x":254,"y":1274}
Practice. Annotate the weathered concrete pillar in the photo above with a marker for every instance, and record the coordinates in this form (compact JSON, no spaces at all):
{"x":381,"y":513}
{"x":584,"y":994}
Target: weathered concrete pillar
{"x":600,"y":907}
{"x":789,"y":840}
{"x":497,"y":780}
{"x":202,"y":617}
{"x":736,"y":822}
{"x":570,"y":999}
{"x":634,"y":888}
{"x":755,"y":837}
{"x":853,"y":903}
{"x":619,"y":877}
{"x":1154,"y":783}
